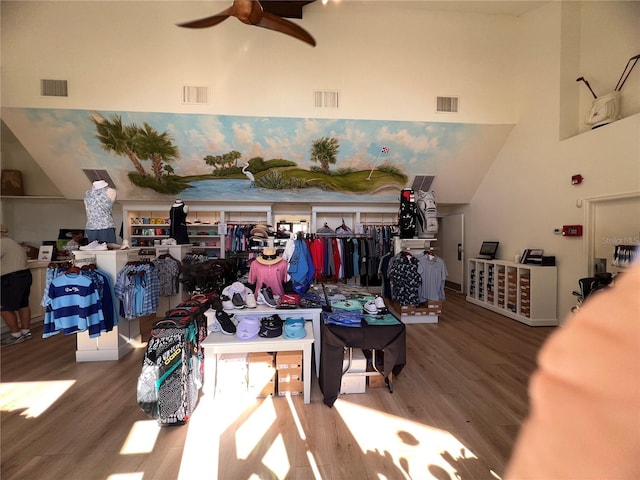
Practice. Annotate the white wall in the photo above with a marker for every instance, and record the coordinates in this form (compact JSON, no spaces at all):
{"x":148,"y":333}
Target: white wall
{"x":528,"y":191}
{"x":388,"y":62}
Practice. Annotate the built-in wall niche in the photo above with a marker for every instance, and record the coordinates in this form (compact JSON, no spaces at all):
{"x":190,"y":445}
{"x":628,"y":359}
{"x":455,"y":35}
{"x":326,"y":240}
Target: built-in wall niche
{"x":613,"y":221}
{"x":297,"y":225}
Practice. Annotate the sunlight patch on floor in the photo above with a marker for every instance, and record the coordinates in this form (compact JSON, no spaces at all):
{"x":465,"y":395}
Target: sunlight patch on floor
{"x":414,"y":448}
{"x":248,"y":435}
{"x":142,"y":437}
{"x":126,"y":476}
{"x":276,"y":458}
{"x":32,"y":397}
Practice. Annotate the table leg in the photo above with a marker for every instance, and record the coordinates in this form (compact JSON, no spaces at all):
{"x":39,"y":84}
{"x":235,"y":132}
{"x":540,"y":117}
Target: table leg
{"x":316,"y":336}
{"x":210,"y":374}
{"x":306,"y":362}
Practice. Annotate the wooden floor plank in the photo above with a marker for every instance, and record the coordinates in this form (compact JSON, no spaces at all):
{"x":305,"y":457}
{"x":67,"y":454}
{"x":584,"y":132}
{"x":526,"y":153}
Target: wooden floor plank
{"x":455,"y":410}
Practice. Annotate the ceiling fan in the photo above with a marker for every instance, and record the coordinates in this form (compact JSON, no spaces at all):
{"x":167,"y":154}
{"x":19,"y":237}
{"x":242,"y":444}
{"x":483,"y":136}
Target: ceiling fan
{"x":252,"y":12}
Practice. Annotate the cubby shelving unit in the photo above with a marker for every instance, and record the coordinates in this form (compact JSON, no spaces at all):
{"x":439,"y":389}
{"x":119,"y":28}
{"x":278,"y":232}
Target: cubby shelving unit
{"x":523,"y":292}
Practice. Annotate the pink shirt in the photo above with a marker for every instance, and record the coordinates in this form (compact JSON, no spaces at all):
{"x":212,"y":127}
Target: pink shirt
{"x":270,"y":275}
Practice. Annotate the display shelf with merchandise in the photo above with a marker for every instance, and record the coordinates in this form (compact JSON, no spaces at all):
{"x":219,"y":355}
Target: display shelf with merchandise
{"x":526,"y":293}
{"x":148,"y":224}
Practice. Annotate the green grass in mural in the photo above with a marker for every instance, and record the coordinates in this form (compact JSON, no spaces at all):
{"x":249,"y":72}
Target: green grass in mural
{"x":170,"y":184}
{"x":286,"y":178}
{"x":353,"y":182}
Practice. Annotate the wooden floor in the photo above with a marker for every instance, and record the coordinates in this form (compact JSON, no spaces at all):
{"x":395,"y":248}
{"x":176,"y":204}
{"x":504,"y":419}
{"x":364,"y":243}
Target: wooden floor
{"x":454,"y":414}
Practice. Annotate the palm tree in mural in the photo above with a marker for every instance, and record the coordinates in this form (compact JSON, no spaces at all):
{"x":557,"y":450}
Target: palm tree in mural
{"x":325,"y":152}
{"x":117,"y":138}
{"x":155,"y":146}
{"x":222,"y":162}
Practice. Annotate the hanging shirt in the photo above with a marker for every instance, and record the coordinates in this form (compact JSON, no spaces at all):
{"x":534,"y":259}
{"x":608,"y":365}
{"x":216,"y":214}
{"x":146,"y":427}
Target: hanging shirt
{"x":405,"y":279}
{"x":434,"y":273}
{"x":74,"y":307}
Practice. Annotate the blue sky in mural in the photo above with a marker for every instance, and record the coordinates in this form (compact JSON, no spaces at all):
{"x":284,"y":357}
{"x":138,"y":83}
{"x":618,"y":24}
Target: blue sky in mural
{"x":413,"y":147}
{"x":409,"y":143}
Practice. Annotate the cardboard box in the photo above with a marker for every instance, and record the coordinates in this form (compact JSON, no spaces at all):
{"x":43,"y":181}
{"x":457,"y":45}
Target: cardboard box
{"x":289,"y":374}
{"x":261,"y":374}
{"x":294,"y":387}
{"x":232,"y":373}
{"x":358,"y":360}
{"x":263,"y":390}
{"x":353,"y":383}
{"x":291,"y":359}
{"x":377,"y":381}
{"x":434,"y":307}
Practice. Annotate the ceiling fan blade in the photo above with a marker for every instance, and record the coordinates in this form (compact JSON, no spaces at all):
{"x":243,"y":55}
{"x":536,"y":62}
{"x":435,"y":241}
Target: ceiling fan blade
{"x":279,"y":24}
{"x":209,"y":21}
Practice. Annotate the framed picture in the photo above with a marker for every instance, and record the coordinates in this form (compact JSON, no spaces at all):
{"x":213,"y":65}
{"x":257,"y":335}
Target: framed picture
{"x":45,"y":253}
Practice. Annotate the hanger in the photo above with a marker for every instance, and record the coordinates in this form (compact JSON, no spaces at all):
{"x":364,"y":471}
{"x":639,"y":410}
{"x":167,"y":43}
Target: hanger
{"x":73,"y":269}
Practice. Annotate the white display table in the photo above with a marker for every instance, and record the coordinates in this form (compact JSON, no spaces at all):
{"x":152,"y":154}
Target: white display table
{"x":218,"y":343}
{"x":312,"y":314}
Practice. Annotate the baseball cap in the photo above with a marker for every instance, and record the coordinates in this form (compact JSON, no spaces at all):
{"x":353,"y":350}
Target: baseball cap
{"x":271,"y":327}
{"x":248,"y":328}
{"x":294,"y":328}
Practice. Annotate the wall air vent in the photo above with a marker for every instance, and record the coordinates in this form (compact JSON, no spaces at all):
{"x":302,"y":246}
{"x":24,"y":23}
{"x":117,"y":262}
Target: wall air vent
{"x":325,"y":99}
{"x":422,"y":182}
{"x":94,"y":175}
{"x":446,"y":104}
{"x":192,"y":94}
{"x":54,"y":88}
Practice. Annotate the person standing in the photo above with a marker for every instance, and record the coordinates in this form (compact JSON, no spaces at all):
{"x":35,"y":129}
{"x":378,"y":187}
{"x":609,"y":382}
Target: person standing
{"x":98,"y":203}
{"x":15,"y":289}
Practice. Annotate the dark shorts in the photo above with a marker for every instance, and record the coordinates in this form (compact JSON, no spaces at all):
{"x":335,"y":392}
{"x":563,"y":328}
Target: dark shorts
{"x":105,"y":235}
{"x":15,"y":289}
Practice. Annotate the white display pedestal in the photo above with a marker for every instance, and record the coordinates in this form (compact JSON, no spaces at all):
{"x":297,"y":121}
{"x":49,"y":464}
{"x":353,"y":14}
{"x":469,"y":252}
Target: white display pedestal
{"x":125,"y":336}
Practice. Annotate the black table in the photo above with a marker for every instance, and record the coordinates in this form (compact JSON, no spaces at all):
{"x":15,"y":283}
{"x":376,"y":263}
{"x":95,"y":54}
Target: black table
{"x":391,"y":339}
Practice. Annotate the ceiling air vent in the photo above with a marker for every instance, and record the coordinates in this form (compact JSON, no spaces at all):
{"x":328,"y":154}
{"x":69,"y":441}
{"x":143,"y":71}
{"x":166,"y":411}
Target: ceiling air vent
{"x":446,"y":104}
{"x":192,"y":94}
{"x":325,"y":99}
{"x":54,"y":88}
{"x":422,"y":182}
{"x":94,"y":175}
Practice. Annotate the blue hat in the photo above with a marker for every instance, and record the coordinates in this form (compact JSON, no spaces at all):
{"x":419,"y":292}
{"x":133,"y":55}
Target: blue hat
{"x":294,"y":328}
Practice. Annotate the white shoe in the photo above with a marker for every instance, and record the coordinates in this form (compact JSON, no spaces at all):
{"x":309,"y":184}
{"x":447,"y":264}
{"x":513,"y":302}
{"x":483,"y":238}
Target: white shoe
{"x":89,"y":246}
{"x":380,"y":303}
{"x":95,"y":245}
{"x":227,"y":304}
{"x":250,"y":300}
{"x":371,"y":308}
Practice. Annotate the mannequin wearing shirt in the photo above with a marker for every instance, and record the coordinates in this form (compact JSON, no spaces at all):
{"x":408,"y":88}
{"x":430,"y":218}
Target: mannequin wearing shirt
{"x":178,"y":216}
{"x":98,"y":203}
{"x":269,"y":270}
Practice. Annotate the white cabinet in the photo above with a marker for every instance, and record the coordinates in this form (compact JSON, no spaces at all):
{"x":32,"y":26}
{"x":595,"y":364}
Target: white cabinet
{"x":527,"y":293}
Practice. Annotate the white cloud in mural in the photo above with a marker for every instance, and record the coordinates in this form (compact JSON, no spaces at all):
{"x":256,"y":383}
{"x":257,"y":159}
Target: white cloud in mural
{"x":415,"y":143}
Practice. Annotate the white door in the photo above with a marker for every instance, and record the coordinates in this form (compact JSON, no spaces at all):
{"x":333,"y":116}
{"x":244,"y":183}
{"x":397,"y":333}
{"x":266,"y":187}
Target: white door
{"x":451,"y":240}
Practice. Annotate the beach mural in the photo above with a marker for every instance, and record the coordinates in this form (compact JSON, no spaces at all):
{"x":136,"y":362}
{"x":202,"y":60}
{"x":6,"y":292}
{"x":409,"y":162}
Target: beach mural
{"x":241,"y":158}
